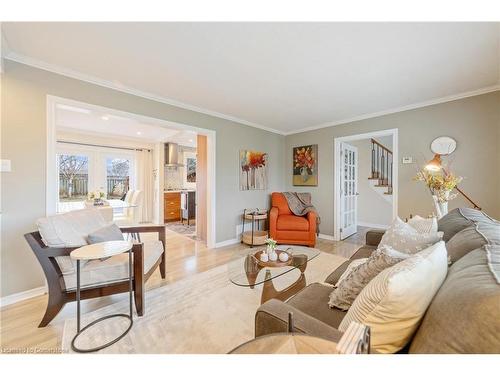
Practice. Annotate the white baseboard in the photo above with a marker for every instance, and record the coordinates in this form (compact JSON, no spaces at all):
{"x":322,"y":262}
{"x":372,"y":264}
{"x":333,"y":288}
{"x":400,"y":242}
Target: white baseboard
{"x":326,"y":237}
{"x":372,"y":225}
{"x":232,"y":241}
{"x":21,"y":296}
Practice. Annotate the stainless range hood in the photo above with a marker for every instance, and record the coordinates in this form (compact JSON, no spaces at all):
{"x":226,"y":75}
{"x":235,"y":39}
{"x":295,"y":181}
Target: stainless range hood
{"x":172,"y":155}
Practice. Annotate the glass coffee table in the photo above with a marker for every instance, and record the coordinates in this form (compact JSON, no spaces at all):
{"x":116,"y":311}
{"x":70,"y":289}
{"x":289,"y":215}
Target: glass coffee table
{"x":247,"y":270}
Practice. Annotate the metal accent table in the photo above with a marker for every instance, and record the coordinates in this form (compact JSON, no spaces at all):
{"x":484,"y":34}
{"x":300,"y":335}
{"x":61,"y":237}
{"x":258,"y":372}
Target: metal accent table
{"x":93,"y":252}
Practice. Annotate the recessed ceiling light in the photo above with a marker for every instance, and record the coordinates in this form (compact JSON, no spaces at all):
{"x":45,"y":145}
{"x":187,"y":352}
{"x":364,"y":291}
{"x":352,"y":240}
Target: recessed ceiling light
{"x":105,"y":118}
{"x":139,"y":133}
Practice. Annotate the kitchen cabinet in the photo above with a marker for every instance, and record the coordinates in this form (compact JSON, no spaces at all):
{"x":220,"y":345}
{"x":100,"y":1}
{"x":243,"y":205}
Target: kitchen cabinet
{"x":172,"y":206}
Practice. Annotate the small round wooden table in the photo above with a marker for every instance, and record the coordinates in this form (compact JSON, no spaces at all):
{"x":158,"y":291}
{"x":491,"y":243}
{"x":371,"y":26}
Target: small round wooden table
{"x":93,"y":252}
{"x":286,"y":343}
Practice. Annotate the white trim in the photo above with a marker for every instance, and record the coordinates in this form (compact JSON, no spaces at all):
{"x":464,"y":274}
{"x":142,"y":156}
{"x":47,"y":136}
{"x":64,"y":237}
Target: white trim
{"x":427,"y":103}
{"x":21,"y":296}
{"x":336,"y":172}
{"x":326,"y":237}
{"x":232,"y":241}
{"x":13,"y":56}
{"x":372,"y":225}
{"x":51,"y":187}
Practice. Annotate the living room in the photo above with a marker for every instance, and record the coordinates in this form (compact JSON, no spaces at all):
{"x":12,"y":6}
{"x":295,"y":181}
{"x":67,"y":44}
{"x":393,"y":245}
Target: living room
{"x":333,"y":162}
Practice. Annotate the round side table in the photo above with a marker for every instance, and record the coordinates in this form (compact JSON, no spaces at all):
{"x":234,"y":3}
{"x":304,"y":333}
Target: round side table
{"x":99,"y":251}
{"x":256,"y":236}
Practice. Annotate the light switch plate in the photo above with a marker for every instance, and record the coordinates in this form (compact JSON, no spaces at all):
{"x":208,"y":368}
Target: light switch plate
{"x":407,"y":160}
{"x":5,"y":166}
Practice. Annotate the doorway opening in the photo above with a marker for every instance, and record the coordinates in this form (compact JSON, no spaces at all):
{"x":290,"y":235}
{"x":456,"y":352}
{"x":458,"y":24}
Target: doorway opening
{"x":365,"y":182}
{"x":95,"y":152}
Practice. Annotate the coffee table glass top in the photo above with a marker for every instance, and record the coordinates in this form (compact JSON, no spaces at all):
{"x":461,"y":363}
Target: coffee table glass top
{"x":247,"y":270}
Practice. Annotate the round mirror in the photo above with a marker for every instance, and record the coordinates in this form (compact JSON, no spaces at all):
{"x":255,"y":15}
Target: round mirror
{"x":443,"y":145}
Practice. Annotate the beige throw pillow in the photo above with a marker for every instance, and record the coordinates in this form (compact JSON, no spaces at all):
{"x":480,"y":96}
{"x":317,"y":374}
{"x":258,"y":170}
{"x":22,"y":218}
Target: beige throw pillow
{"x":406,"y":239}
{"x":424,"y":225}
{"x":350,"y":285}
{"x":395,"y":301}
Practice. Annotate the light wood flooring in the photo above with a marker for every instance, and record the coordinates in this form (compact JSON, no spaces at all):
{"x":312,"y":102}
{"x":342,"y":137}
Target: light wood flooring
{"x":19,"y":332}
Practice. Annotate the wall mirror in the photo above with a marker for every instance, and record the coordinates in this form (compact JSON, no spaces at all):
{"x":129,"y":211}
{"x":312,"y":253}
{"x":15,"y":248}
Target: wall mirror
{"x":443,"y":145}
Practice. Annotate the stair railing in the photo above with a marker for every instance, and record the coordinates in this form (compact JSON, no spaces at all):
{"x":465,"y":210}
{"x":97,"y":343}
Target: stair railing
{"x":382,"y":160}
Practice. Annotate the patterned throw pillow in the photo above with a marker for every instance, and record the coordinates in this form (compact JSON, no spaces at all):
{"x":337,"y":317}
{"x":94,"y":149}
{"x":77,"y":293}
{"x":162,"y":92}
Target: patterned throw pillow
{"x":423,"y":225}
{"x":349,"y":288}
{"x":406,"y":239}
{"x":351,"y":267}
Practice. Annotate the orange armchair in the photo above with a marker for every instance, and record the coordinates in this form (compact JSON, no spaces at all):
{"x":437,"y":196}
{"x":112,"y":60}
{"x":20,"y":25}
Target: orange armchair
{"x":286,"y":228}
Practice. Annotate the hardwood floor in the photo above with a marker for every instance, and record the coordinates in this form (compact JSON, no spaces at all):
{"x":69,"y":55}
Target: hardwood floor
{"x":19,"y":332}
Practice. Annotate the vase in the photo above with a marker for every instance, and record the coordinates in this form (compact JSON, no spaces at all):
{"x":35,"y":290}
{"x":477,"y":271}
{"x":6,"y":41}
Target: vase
{"x":443,"y":206}
{"x":304,"y":174}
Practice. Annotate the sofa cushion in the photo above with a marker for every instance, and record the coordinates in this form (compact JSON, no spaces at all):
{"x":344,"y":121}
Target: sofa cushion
{"x":466,"y":240}
{"x":348,"y":289}
{"x":459,"y":219}
{"x":464,"y":315}
{"x":394,"y":302}
{"x":292,"y":222}
{"x":112,"y":269}
{"x":313,"y":300}
{"x":406,"y":239}
{"x":362,"y":252}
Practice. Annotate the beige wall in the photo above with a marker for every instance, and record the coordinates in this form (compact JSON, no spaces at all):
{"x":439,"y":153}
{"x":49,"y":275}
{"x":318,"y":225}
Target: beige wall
{"x":25,"y":91}
{"x":373,"y":206}
{"x":474,"y":122}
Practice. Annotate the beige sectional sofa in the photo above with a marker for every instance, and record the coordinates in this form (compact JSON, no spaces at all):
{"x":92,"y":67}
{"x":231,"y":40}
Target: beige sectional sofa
{"x":463,"y":317}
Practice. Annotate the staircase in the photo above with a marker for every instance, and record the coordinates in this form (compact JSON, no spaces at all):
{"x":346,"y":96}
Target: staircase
{"x":381,"y":172}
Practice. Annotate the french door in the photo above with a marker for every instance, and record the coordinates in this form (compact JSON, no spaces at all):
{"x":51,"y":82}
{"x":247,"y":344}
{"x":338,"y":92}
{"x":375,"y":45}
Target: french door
{"x":348,"y":190}
{"x":83,"y":169}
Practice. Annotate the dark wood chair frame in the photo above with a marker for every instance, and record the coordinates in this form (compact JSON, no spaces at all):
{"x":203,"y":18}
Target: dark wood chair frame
{"x":59,"y":296}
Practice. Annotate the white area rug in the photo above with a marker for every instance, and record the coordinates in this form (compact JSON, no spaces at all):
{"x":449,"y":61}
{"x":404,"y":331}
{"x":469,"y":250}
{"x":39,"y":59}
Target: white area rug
{"x":204,"y":313}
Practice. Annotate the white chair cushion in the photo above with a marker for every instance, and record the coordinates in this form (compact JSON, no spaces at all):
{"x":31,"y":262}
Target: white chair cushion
{"x":69,"y":229}
{"x":113,"y":269}
{"x":394,"y":302}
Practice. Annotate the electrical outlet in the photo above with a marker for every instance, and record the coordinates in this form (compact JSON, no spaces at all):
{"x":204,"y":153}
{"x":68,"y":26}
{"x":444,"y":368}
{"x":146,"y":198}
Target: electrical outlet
{"x":5,"y":166}
{"x":407,"y":160}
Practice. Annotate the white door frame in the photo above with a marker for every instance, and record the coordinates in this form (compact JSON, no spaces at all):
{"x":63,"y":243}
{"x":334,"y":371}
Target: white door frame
{"x":51,"y":168}
{"x":336,"y":173}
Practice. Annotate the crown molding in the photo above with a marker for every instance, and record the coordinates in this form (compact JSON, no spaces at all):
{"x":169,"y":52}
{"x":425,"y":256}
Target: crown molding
{"x":13,"y":56}
{"x":426,"y":103}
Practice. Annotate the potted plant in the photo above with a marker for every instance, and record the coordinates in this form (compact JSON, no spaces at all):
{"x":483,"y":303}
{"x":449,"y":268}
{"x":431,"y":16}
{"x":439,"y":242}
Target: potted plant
{"x":97,"y":197}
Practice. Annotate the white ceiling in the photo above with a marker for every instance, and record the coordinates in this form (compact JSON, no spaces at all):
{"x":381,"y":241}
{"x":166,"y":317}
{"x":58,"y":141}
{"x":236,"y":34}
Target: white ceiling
{"x":104,"y":123}
{"x":284,"y":76}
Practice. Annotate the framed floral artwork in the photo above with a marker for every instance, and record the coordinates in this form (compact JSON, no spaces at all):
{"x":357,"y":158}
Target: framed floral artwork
{"x":253,"y":170}
{"x":305,"y":165}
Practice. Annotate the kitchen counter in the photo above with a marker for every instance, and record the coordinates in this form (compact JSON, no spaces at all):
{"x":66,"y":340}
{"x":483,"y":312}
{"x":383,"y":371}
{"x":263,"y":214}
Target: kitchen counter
{"x":178,"y":191}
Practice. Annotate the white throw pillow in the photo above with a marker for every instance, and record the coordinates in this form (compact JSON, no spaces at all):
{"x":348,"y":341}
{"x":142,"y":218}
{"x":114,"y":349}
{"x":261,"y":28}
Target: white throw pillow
{"x":424,"y":225}
{"x":395,"y":301}
{"x":406,"y":239}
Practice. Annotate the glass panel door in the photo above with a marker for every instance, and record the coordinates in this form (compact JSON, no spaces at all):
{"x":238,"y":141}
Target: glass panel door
{"x":73,"y":170}
{"x":117,"y":177}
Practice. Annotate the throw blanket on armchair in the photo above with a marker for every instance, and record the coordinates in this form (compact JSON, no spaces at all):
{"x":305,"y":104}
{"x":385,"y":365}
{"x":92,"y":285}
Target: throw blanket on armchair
{"x":300,"y":205}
